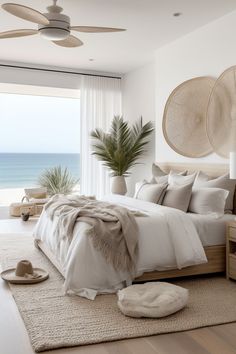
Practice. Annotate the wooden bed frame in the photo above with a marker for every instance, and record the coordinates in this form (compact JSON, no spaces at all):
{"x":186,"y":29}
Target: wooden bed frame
{"x":215,"y":254}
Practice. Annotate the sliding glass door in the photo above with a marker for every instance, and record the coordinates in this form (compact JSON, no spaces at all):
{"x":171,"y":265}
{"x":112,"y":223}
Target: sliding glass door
{"x":37,"y":133}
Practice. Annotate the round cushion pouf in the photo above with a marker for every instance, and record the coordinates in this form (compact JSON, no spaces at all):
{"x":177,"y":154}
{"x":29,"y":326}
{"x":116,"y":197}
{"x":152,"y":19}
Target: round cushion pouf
{"x":154,"y":299}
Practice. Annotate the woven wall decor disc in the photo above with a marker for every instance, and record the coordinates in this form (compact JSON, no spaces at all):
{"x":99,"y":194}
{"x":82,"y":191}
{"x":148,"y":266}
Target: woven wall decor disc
{"x":221,"y":114}
{"x":184,"y":120}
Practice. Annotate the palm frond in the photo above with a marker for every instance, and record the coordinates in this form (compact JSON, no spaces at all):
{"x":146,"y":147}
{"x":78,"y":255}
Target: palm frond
{"x":120,"y":149}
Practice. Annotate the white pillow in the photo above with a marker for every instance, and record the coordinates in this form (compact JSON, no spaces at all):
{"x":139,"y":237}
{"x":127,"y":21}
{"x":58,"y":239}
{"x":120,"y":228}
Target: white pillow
{"x":222,"y":182}
{"x":139,"y":185}
{"x":180,"y":180}
{"x":208,"y":201}
{"x":149,"y":192}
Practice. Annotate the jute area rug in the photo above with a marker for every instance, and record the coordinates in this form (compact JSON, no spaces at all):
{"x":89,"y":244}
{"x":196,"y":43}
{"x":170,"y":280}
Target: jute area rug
{"x":54,"y":320}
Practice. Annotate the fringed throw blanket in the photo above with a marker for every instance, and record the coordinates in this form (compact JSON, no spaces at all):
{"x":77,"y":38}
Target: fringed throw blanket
{"x":113,"y":231}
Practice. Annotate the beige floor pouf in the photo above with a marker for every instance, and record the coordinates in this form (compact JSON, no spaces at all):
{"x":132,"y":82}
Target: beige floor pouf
{"x":154,"y":299}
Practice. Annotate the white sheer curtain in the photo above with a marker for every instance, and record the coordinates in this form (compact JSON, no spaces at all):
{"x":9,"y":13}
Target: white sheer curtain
{"x":100,"y":100}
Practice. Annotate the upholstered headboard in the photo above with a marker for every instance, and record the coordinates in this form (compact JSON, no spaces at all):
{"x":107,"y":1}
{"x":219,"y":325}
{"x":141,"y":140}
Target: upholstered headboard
{"x":212,"y":170}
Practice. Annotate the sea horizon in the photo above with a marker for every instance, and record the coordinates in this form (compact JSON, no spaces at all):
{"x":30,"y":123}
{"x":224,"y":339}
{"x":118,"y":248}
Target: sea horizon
{"x":22,"y":169}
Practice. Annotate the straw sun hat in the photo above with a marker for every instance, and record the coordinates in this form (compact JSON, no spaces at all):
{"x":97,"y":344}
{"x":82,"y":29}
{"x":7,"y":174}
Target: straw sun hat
{"x":24,"y":273}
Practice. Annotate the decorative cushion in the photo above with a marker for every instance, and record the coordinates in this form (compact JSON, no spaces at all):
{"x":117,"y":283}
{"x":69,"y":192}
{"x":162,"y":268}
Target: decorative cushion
{"x":178,"y":197}
{"x":159,"y":176}
{"x":222,"y":182}
{"x":154,"y":299}
{"x":208,"y":201}
{"x":150,"y":192}
{"x":161,"y":179}
{"x":201,"y":178}
{"x":157,"y":171}
{"x":36,"y":193}
{"x":180,"y":180}
{"x":139,"y":185}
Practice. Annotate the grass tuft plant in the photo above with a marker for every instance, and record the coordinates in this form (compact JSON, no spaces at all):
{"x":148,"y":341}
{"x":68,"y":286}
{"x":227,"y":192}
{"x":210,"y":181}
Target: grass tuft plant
{"x":57,"y":180}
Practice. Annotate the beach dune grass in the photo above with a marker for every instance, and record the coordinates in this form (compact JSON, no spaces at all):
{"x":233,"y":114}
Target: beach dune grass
{"x":57,"y":180}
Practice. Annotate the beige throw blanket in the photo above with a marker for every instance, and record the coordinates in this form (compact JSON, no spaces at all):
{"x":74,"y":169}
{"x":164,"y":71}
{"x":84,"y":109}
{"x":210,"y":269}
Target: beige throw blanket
{"x":113,"y":231}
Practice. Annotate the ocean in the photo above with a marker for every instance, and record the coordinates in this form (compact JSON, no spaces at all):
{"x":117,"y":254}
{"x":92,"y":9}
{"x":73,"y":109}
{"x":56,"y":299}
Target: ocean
{"x":19,"y":170}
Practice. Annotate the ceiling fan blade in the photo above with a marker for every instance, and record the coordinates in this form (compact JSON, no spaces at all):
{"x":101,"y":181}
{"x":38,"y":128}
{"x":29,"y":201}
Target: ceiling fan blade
{"x":17,"y":33}
{"x":89,"y":29}
{"x":69,"y":42}
{"x":26,"y":13}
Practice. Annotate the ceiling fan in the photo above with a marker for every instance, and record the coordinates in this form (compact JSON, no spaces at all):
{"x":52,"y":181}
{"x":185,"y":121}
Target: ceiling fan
{"x":53,"y":25}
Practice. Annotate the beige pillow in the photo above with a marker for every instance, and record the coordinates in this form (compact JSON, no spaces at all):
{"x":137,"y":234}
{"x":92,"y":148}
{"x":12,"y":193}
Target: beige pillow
{"x":208,"y":201}
{"x":157,"y":171}
{"x":159,"y":176}
{"x":178,"y":197}
{"x":201,"y":178}
{"x":150,"y":192}
{"x":180,"y":180}
{"x":222,"y":182}
{"x":39,"y":195}
{"x":36,"y":193}
{"x":161,"y":179}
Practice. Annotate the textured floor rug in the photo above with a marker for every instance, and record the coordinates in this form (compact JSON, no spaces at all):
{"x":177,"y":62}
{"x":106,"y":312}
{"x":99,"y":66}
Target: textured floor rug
{"x":54,"y":320}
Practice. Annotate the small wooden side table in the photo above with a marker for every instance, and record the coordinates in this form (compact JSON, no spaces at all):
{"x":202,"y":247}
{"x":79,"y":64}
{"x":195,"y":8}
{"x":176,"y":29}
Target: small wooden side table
{"x":231,"y":250}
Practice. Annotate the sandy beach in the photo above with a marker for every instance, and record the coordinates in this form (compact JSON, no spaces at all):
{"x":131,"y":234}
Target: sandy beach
{"x":15,"y":195}
{"x":11,"y":195}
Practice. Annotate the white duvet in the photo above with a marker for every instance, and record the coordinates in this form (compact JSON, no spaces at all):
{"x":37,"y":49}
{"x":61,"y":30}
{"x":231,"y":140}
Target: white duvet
{"x":167,"y":240}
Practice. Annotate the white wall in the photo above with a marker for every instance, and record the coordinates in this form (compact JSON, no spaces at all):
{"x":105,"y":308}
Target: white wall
{"x":207,"y":51}
{"x":138,"y":94}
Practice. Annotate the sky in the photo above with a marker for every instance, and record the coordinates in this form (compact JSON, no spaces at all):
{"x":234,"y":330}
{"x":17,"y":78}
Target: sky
{"x":39,"y":124}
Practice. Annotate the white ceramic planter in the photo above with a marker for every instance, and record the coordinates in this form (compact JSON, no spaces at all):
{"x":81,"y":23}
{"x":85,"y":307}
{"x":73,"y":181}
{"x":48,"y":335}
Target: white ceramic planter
{"x":118,"y":185}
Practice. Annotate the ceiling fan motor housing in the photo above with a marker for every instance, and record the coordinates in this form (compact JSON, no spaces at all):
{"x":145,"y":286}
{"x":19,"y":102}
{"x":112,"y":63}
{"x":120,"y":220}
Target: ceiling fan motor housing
{"x":58,"y":27}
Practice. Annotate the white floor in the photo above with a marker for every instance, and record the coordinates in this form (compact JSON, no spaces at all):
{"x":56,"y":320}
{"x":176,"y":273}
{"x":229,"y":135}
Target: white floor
{"x":18,"y":226}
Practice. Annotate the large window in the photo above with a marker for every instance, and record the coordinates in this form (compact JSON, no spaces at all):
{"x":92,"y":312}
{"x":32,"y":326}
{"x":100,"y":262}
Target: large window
{"x":37,"y":132}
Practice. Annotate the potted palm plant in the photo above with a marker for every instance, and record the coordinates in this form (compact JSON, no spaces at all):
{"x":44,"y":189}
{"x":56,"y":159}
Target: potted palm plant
{"x":121,"y":148}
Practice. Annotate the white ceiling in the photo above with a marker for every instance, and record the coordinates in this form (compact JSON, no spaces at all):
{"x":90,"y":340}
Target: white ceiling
{"x":149,"y":24}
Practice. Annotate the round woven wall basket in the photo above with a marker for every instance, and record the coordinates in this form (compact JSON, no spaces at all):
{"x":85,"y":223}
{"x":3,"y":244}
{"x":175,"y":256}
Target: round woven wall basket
{"x":221,"y":113}
{"x":184,"y":121}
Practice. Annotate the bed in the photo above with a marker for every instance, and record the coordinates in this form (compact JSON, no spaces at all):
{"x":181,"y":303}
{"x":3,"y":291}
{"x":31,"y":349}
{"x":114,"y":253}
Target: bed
{"x":216,"y":253}
{"x":212,"y":240}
